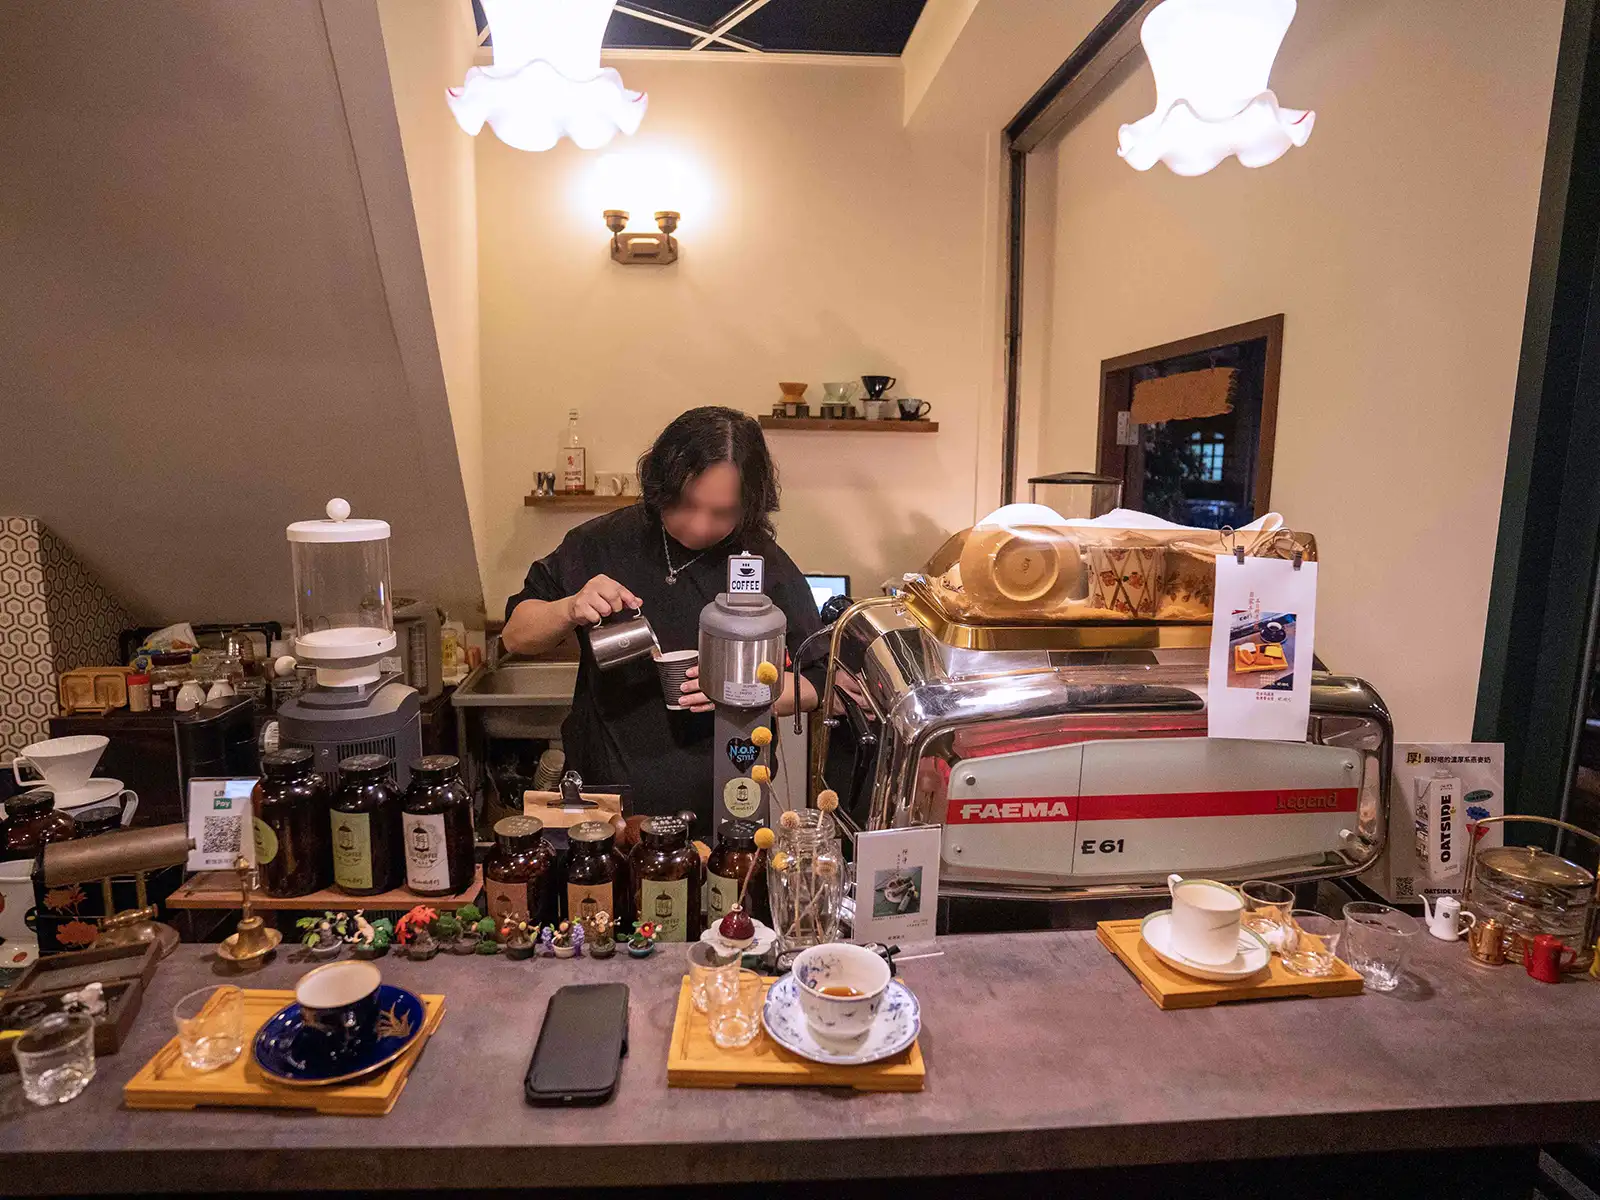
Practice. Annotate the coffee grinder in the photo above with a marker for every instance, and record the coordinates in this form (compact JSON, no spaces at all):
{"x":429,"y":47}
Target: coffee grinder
{"x":344,"y":626}
{"x":741,"y":663}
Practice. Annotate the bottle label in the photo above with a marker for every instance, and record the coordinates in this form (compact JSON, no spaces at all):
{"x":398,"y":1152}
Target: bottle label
{"x":266,"y":842}
{"x":352,"y":850}
{"x":666,"y":903}
{"x":503,"y":899}
{"x":573,"y":469}
{"x":586,"y":899}
{"x":722,"y":894}
{"x":427,"y":856}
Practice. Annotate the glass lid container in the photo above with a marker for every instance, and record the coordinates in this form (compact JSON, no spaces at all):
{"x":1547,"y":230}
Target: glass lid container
{"x":344,"y":623}
{"x":1076,"y":494}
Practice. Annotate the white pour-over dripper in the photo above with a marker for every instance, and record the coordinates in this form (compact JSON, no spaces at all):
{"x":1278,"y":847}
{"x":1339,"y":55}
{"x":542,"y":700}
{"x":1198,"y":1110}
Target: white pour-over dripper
{"x":65,"y":763}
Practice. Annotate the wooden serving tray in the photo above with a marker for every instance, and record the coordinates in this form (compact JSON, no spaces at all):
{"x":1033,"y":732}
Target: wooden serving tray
{"x":165,"y":1083}
{"x":694,"y":1060}
{"x":1171,"y":989}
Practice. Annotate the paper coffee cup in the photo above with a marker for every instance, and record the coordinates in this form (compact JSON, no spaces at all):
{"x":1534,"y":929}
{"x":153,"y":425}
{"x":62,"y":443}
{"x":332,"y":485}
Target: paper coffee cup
{"x":673,"y":667}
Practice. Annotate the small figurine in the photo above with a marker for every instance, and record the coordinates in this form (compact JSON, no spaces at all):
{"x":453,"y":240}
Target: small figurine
{"x":563,"y":940}
{"x":373,"y":938}
{"x":643,"y":941}
{"x":598,"y":936}
{"x":737,"y":929}
{"x":487,"y":942}
{"x":320,"y":936}
{"x":90,"y":1000}
{"x":412,"y":931}
{"x":518,"y":936}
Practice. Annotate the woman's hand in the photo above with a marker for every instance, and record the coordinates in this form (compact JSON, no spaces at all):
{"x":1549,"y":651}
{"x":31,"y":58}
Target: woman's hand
{"x":600,"y":597}
{"x":693,"y":698}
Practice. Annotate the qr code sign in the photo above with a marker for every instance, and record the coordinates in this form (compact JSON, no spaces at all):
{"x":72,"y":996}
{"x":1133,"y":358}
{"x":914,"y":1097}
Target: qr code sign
{"x":1405,"y":888}
{"x":221,"y":834}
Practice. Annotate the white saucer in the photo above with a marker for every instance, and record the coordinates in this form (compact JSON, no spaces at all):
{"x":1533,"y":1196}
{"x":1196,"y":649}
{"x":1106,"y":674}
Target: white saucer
{"x":90,"y":793}
{"x":1253,"y":954}
{"x":765,"y":936}
{"x":896,"y":1027}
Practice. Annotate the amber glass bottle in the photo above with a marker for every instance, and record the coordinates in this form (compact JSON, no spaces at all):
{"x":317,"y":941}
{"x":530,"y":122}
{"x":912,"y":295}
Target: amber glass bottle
{"x":32,"y":822}
{"x":736,"y":858}
{"x":364,"y":818}
{"x":436,"y":819}
{"x":519,"y":876}
{"x":592,"y":875}
{"x":666,"y":879}
{"x":290,"y":810}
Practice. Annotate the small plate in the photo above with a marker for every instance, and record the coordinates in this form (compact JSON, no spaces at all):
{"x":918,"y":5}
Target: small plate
{"x":400,"y":1012}
{"x":1253,"y":955}
{"x":897,"y":1025}
{"x":765,"y":936}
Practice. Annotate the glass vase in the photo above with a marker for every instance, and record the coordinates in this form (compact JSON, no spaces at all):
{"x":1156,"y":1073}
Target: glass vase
{"x":805,"y":881}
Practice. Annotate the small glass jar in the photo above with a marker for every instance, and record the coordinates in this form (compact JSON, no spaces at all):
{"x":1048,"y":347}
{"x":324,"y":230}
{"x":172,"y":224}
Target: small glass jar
{"x":168,"y":673}
{"x":735,"y":859}
{"x":667,"y":880}
{"x":805,"y":881}
{"x":32,"y":823}
{"x":436,"y":820}
{"x":138,"y":693}
{"x":289,"y":805}
{"x":597,"y":878}
{"x":519,"y":876}
{"x":364,"y":819}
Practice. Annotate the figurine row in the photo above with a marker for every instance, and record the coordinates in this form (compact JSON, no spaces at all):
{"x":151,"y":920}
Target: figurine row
{"x":423,"y":932}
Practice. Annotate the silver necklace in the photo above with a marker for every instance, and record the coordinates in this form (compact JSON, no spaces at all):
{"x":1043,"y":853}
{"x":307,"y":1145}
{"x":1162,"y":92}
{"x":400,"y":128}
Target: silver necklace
{"x":672,"y":571}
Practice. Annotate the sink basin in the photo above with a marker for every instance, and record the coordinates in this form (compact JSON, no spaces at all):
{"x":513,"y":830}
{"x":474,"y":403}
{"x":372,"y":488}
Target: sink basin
{"x":518,"y":684}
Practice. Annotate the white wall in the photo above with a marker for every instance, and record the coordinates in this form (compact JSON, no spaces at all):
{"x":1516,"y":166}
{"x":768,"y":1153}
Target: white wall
{"x":1397,"y":243}
{"x":824,"y":240}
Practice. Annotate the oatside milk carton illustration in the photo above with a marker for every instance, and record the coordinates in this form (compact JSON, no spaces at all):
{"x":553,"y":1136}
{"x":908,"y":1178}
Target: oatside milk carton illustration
{"x":1441,"y":847}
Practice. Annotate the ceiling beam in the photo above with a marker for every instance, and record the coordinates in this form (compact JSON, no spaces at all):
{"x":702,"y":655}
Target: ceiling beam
{"x":693,"y":30}
{"x":747,"y":9}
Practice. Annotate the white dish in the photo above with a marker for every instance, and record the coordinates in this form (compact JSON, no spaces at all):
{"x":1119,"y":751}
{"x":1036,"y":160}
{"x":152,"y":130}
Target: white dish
{"x":895,"y":1028}
{"x":90,"y":793}
{"x":765,"y":936}
{"x":1253,"y":956}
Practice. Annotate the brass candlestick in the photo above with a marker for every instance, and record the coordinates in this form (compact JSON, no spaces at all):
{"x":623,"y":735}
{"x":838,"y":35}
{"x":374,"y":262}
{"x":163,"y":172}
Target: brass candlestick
{"x":252,"y":941}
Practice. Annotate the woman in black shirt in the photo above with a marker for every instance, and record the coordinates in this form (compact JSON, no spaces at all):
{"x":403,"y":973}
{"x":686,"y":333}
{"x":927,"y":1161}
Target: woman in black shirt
{"x":710,"y":490}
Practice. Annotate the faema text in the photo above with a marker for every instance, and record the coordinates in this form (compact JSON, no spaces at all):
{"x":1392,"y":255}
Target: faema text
{"x":1042,"y":808}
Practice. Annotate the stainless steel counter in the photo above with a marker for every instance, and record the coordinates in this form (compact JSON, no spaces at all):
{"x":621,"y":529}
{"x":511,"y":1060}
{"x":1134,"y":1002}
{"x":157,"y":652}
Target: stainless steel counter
{"x":1042,"y":1053}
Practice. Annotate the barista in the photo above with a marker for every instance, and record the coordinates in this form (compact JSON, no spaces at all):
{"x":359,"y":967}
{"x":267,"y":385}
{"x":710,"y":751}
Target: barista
{"x":710,"y":489}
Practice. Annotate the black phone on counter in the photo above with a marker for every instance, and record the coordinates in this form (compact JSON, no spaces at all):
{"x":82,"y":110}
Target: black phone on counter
{"x":581,"y":1046}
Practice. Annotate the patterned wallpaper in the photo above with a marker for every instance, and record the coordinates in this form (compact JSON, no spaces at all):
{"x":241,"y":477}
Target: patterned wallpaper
{"x":54,"y":615}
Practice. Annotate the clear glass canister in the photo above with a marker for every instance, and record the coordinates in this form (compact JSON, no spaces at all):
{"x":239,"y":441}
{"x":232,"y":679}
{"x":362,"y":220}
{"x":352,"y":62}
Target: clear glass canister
{"x":805,"y":879}
{"x":343,"y":614}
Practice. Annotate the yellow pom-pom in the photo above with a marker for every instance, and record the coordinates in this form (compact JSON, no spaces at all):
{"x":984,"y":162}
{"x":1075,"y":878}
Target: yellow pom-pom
{"x":780,"y":861}
{"x":761,"y":773}
{"x":828,"y":800}
{"x":766,"y":673}
{"x":790,"y":820}
{"x":761,"y":735}
{"x":765,"y":838}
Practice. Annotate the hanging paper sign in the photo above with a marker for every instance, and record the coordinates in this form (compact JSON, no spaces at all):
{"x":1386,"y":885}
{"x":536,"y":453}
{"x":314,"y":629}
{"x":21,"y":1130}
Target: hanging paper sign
{"x":1262,"y":628}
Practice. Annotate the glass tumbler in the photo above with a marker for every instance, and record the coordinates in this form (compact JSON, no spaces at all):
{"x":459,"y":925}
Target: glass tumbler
{"x":1309,"y":942}
{"x":733,"y":1005}
{"x":704,"y":962}
{"x":1266,"y":910}
{"x":1377,"y":942}
{"x":210,"y":1027}
{"x":55,"y":1058}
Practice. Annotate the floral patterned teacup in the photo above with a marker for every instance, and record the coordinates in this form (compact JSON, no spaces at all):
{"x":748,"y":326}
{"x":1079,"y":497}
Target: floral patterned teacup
{"x":1126,"y":581}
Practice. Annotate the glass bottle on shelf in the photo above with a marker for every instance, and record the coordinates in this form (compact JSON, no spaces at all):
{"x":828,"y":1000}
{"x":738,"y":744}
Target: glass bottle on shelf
{"x":572,"y":468}
{"x":519,"y":876}
{"x":735,"y":859}
{"x":32,"y":822}
{"x":290,"y":809}
{"x":594,"y":882}
{"x":436,"y":819}
{"x":666,"y":880}
{"x":364,"y":819}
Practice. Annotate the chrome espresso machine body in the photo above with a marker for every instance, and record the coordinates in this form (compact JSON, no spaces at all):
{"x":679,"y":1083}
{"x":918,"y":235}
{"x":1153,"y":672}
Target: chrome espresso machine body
{"x":1072,"y":762}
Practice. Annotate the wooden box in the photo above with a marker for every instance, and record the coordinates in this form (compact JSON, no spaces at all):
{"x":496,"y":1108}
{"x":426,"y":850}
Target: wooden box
{"x":123,"y":971}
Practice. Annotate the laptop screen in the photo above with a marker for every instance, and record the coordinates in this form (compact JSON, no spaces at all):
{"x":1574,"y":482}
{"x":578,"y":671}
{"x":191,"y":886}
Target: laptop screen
{"x":825,"y":587}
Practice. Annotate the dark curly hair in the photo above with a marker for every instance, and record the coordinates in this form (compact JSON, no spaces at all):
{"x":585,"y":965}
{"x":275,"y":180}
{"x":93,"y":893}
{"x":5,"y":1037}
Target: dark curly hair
{"x":701,"y":438}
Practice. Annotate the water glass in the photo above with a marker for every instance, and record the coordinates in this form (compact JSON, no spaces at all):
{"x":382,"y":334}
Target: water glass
{"x":733,"y":1005}
{"x":1377,"y":943}
{"x":55,"y":1058}
{"x":1266,"y":910}
{"x":210,"y":1027}
{"x":1310,"y":942}
{"x":704,"y":961}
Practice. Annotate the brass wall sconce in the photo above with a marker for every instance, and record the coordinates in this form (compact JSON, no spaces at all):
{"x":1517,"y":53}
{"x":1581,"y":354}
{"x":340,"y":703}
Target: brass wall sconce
{"x":635,"y":249}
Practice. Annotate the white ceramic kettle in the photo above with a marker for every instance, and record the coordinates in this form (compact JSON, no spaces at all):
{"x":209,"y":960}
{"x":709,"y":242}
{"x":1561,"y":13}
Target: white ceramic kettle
{"x":1447,"y":920}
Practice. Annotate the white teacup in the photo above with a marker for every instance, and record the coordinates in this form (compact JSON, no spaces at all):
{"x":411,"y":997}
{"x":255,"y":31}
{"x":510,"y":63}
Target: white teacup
{"x":841,"y":989}
{"x":1205,"y":919}
{"x":64,"y":763}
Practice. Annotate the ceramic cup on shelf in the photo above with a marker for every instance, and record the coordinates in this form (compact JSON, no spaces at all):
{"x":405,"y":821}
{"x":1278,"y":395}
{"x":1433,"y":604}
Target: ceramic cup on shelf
{"x":842,"y":393}
{"x":912,"y":409}
{"x":877,"y":385}
{"x":1205,"y":919}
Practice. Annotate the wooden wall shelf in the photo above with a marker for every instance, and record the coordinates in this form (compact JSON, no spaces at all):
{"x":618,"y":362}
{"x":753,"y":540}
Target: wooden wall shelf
{"x":579,"y":500}
{"x":821,"y":425}
{"x":220,"y":890}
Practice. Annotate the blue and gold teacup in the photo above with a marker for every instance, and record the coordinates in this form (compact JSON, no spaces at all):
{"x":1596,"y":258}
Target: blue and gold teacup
{"x":338,"y":1011}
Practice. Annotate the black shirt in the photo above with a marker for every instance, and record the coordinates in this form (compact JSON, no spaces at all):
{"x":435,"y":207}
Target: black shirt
{"x":620,"y":729}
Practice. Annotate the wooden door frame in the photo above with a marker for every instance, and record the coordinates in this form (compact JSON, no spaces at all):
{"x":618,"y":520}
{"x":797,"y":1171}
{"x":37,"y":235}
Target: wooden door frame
{"x":1117,"y":396}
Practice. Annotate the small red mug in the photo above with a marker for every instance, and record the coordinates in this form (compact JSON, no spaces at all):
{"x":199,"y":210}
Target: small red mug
{"x":1546,"y":956}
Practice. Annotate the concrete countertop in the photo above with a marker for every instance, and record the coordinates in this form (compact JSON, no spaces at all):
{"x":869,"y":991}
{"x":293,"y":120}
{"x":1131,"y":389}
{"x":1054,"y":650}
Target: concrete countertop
{"x":1042,"y":1053}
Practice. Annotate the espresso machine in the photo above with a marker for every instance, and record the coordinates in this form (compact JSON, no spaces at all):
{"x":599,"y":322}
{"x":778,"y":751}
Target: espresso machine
{"x":741,"y":662}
